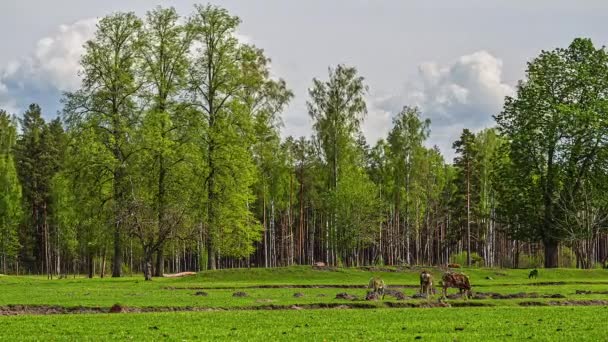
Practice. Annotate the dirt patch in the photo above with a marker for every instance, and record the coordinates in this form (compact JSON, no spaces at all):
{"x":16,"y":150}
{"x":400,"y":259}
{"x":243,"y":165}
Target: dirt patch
{"x":396,"y":294}
{"x":201,"y":293}
{"x":328,"y":286}
{"x":239,"y":294}
{"x":548,"y":283}
{"x":372,"y":296}
{"x":51,"y":310}
{"x":344,"y":295}
{"x":518,"y":295}
{"x":419,"y":296}
{"x":595,"y":302}
{"x":48,"y":310}
{"x":298,"y":295}
{"x":586,"y":292}
{"x":117,"y":308}
{"x":533,"y":303}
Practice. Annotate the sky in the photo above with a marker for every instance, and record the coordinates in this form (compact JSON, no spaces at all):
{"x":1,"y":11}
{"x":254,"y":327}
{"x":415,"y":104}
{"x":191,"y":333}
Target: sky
{"x":455,"y":60}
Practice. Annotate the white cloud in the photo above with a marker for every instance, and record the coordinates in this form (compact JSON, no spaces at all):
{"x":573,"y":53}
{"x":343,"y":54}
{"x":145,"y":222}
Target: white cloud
{"x":51,"y":68}
{"x":462,"y":94}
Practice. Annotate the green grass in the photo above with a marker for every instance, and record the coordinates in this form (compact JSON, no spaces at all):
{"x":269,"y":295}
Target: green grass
{"x":235,"y":318}
{"x":463,"y":324}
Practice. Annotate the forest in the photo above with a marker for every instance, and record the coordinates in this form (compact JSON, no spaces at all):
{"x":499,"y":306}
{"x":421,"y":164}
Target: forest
{"x":170,"y":158}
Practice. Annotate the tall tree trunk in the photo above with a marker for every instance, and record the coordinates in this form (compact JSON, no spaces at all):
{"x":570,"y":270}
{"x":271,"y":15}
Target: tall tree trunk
{"x":102,"y":271}
{"x":117,"y":257}
{"x":551,"y":253}
{"x":159,"y":270}
{"x":468,"y":214}
{"x":148,"y":265}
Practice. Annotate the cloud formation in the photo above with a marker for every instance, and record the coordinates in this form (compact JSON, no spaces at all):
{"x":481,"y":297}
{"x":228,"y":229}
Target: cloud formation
{"x":463,"y":94}
{"x":51,"y":68}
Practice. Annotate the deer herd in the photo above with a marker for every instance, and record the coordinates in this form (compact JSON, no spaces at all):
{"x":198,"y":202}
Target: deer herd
{"x":449,"y":279}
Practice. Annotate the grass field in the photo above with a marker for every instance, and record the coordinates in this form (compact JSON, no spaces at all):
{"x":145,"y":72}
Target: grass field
{"x":507,"y":305}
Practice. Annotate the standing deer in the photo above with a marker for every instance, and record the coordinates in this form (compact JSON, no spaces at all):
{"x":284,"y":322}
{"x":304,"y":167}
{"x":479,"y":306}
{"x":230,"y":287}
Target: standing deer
{"x":456,"y":280}
{"x":426,"y":283}
{"x":377,"y":286}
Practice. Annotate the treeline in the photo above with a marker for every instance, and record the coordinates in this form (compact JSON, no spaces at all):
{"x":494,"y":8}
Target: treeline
{"x":169,"y":158}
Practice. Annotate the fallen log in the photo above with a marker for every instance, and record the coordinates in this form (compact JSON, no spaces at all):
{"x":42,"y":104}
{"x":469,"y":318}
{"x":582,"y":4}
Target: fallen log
{"x":178,"y":275}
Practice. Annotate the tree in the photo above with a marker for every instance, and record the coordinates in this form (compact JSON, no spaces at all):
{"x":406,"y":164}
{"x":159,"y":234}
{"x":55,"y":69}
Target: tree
{"x":338,"y":108}
{"x":556,"y":125}
{"x":228,"y":81}
{"x":405,"y":140}
{"x":106,"y":105}
{"x":466,"y":180}
{"x":10,"y":192}
{"x":168,"y":136}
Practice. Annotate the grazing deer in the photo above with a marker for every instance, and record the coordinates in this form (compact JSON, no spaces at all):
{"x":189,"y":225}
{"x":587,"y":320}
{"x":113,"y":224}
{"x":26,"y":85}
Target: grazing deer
{"x":377,"y":286}
{"x":456,"y":280}
{"x":426,"y":283}
{"x":533,"y":274}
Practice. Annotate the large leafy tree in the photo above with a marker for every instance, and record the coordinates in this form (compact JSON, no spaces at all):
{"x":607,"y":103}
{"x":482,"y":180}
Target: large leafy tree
{"x":337,"y":107}
{"x":231,"y":88}
{"x":557,"y":128}
{"x":405,"y":140}
{"x":106,"y":106}
{"x":168,"y":128}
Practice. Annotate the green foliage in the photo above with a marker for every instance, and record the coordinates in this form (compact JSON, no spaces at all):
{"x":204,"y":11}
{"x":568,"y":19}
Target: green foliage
{"x":556,"y":126}
{"x":530,"y":261}
{"x":461,"y":259}
{"x":10,"y":191}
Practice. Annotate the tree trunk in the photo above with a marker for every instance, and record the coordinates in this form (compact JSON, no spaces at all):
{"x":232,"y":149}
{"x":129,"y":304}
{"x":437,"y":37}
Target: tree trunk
{"x":103,"y":264}
{"x":148,"y":267}
{"x":159,"y":270}
{"x":551,"y":254}
{"x":91,"y":265}
{"x":210,"y":254}
{"x":117,"y":257}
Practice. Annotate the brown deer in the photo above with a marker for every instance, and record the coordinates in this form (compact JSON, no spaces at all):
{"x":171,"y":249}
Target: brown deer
{"x":426,"y":283}
{"x":456,"y":280}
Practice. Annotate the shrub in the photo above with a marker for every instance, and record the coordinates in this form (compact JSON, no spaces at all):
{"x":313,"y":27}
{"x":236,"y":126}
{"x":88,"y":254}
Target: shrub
{"x":566,"y":257}
{"x":531,"y":261}
{"x":461,"y":258}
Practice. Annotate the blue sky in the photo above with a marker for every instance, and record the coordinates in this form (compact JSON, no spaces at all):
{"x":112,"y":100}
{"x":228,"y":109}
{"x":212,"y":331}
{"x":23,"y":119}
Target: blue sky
{"x":455,"y":59}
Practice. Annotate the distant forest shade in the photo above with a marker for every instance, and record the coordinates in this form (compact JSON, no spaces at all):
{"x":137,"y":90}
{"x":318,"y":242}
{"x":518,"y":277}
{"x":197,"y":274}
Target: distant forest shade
{"x":169,"y":158}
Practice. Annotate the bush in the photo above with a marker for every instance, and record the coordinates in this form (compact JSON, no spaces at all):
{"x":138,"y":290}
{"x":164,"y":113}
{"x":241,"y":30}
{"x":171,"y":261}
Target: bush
{"x":461,"y":258}
{"x":566,"y":257}
{"x":531,"y":261}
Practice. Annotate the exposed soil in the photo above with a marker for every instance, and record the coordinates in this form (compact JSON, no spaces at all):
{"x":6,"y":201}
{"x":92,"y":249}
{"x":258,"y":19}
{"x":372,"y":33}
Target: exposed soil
{"x":494,"y":295}
{"x":239,"y":294}
{"x":344,"y":295}
{"x":372,"y":296}
{"x":593,"y":302}
{"x":329,"y":286}
{"x":201,"y":293}
{"x":298,"y":295}
{"x":586,"y":292}
{"x":55,"y":309}
{"x":396,"y":294}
